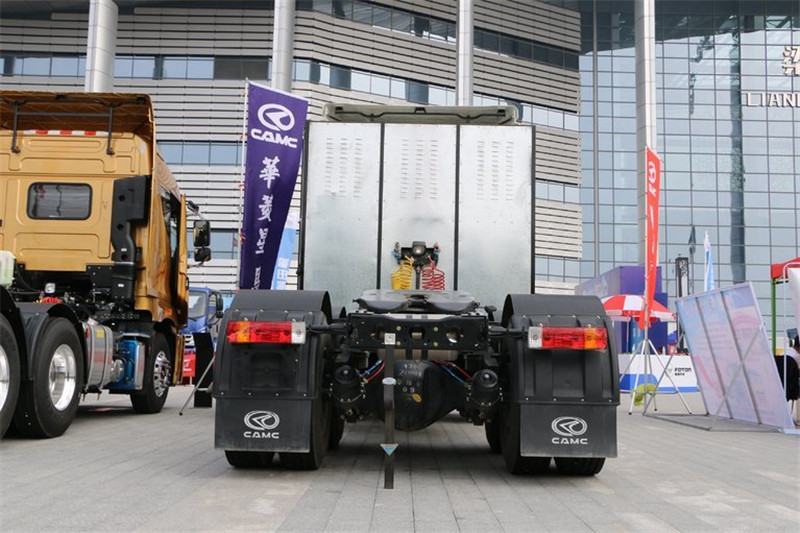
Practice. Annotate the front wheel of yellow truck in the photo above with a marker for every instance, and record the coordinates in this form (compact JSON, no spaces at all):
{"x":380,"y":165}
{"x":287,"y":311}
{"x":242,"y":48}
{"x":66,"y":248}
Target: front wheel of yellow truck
{"x":153,"y":396}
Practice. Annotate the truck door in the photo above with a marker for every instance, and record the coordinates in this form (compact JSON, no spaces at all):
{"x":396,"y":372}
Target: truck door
{"x":3,"y":199}
{"x":181,"y":291}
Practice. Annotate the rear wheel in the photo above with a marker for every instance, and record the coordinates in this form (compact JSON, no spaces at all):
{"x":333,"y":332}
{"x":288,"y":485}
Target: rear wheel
{"x":47,"y":405}
{"x":509,"y":442}
{"x":249,"y":459}
{"x":492,"y":429}
{"x":156,"y":378}
{"x":337,"y":429}
{"x":580,"y":466}
{"x":320,"y":438}
{"x":9,"y":374}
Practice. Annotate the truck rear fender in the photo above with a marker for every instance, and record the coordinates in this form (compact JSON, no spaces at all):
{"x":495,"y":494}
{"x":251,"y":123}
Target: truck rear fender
{"x":34,"y":317}
{"x":576,"y":376}
{"x":9,"y":309}
{"x":567,"y":398}
{"x":278,"y":384}
{"x":299,"y":366}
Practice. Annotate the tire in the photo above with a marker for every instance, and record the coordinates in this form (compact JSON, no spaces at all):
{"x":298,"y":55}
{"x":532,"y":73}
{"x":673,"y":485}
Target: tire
{"x":249,"y":459}
{"x":202,"y":399}
{"x":48,"y":404}
{"x":580,"y":466}
{"x":9,"y":374}
{"x":492,"y":429}
{"x":337,"y":430}
{"x":320,"y":439}
{"x":156,"y":378}
{"x":509,"y":444}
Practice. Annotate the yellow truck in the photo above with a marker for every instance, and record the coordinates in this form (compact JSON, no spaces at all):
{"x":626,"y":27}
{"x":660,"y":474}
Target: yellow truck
{"x":93,"y":257}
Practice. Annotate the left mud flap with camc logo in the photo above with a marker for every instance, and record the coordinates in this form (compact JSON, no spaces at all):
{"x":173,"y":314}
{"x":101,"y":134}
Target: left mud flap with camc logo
{"x":568,"y":430}
{"x":263,"y":425}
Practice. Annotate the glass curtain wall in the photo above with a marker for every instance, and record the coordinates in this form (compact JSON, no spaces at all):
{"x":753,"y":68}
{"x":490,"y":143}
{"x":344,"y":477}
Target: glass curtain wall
{"x":728,"y":120}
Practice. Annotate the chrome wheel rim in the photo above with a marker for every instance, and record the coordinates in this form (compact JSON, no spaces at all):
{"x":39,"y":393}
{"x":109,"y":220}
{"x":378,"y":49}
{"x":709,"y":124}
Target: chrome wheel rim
{"x":62,"y":377}
{"x":161,"y":374}
{"x":5,"y":377}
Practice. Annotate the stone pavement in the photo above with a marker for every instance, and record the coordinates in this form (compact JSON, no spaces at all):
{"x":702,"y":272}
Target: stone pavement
{"x":117,"y":471}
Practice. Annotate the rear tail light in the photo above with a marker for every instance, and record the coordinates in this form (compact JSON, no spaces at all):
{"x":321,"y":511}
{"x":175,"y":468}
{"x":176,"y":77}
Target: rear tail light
{"x":249,"y":332}
{"x":553,"y":338}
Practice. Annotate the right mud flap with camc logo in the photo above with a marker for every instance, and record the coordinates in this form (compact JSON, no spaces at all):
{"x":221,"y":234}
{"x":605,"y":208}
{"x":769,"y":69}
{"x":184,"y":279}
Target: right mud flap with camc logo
{"x":562,"y":430}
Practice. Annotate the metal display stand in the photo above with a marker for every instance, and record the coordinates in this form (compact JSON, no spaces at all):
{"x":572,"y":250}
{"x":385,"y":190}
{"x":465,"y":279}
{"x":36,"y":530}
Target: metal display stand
{"x":742,"y":390}
{"x":644,"y":353}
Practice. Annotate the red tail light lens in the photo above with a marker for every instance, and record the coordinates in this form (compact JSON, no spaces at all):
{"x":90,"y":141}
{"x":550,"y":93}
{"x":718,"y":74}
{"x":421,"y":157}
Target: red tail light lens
{"x":554,"y":338}
{"x":251,"y":332}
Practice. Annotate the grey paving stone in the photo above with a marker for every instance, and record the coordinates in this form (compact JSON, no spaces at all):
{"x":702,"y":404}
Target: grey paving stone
{"x":118,"y":471}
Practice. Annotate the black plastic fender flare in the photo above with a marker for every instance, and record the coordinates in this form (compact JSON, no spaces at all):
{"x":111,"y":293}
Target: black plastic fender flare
{"x":34,"y":316}
{"x":9,"y":309}
{"x":523,"y":310}
{"x":551,"y":304}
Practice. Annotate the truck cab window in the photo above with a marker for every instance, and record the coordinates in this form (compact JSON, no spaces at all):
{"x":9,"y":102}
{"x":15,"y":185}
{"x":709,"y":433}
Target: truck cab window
{"x":172,"y":210}
{"x":65,"y":201}
{"x":197,"y":304}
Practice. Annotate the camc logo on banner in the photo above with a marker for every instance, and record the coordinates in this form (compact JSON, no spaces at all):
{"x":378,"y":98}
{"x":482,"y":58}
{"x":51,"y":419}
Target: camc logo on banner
{"x":275,"y":122}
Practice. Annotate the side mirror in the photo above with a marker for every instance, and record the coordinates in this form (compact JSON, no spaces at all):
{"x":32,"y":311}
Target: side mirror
{"x":201,"y":233}
{"x":218,"y":303}
{"x":201,"y":255}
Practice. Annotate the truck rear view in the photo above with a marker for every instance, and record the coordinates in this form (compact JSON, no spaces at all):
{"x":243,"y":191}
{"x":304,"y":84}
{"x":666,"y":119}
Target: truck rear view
{"x":425,"y":219}
{"x":93,"y":240}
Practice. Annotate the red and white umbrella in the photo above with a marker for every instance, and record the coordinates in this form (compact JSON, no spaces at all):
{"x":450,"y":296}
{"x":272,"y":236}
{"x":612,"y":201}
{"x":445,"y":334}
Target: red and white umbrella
{"x":627,"y":306}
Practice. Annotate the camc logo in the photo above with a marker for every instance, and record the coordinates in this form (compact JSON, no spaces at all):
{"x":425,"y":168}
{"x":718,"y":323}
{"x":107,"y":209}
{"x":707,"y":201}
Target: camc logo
{"x":275,"y":117}
{"x":570,"y":429}
{"x":276,"y":120}
{"x":262,"y":423}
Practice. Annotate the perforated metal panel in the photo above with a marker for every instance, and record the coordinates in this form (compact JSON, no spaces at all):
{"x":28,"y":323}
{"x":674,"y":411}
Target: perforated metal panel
{"x":341,"y":223}
{"x":494,"y":227}
{"x":486,"y":239}
{"x":419,"y":193}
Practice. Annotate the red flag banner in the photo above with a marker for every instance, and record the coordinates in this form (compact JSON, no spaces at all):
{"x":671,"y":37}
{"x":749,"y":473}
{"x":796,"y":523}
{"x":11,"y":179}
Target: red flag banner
{"x":653,"y":188}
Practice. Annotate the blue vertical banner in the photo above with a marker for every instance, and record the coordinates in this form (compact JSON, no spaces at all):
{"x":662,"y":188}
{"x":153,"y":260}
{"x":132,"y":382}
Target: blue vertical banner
{"x":286,"y":251}
{"x":708,"y":278}
{"x":275,"y":122}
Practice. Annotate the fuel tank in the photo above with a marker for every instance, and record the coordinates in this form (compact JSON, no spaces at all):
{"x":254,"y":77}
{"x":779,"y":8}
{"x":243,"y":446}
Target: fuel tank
{"x":424,"y":393}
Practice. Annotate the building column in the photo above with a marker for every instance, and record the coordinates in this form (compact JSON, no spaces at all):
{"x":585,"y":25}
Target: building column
{"x":101,"y":47}
{"x":645,"y":32}
{"x":283,"y":44}
{"x":466,"y":44}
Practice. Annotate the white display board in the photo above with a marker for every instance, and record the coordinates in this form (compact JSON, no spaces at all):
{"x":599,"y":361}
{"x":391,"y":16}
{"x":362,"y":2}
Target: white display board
{"x":732,"y":358}
{"x":680,"y":372}
{"x":794,"y":290}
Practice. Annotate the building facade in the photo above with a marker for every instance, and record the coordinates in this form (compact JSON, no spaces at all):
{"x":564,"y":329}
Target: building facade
{"x":728,"y":77}
{"x":728,"y":122}
{"x":193,"y":59}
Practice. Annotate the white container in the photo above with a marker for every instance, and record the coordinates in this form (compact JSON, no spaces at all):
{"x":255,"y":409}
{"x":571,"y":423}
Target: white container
{"x":7,"y":261}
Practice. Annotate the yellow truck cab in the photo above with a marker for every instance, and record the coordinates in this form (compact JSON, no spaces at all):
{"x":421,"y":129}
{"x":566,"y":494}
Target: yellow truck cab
{"x":95,"y":226}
